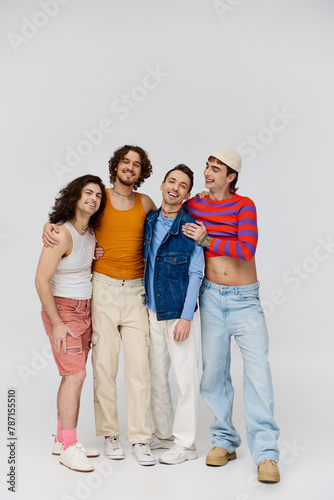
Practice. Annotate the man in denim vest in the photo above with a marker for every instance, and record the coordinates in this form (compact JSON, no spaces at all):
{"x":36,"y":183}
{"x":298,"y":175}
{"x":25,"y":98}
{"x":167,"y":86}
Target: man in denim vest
{"x":173,"y":274}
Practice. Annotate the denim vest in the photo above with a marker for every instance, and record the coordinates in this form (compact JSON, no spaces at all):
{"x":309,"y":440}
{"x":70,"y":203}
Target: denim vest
{"x":171,"y":265}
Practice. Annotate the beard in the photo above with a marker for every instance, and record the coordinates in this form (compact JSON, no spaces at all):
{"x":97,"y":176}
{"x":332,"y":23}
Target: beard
{"x":125,"y":181}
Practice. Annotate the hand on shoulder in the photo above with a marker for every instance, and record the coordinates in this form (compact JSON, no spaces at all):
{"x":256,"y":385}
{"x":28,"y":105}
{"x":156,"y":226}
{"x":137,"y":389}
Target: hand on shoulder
{"x":64,"y":241}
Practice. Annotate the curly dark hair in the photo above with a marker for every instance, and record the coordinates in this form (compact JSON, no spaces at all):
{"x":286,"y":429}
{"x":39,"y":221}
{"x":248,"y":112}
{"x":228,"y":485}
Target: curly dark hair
{"x":230,"y":170}
{"x":146,"y":167}
{"x":66,"y":200}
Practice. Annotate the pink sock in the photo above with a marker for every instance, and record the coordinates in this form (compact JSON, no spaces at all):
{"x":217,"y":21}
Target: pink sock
{"x":59,"y":432}
{"x":70,"y":437}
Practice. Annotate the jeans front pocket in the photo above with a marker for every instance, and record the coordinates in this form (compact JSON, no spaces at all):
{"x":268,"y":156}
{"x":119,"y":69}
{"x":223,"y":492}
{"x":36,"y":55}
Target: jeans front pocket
{"x":250,"y":292}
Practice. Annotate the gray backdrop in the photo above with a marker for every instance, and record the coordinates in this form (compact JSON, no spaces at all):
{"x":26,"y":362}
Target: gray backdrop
{"x":180,"y":79}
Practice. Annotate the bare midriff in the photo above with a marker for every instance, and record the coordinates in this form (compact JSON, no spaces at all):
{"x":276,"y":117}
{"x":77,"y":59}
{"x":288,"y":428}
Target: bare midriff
{"x":230,"y":272}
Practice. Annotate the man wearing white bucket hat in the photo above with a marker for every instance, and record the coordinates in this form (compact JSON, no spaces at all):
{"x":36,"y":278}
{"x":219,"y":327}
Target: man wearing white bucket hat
{"x":230,"y":306}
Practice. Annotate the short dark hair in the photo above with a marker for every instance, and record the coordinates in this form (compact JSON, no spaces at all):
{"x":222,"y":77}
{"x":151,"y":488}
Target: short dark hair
{"x":230,"y":170}
{"x":146,"y":166}
{"x":67,"y":198}
{"x":184,"y":169}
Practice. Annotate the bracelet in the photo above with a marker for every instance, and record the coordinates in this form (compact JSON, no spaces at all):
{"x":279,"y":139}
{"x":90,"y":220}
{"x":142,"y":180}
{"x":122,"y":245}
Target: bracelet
{"x":205,"y":241}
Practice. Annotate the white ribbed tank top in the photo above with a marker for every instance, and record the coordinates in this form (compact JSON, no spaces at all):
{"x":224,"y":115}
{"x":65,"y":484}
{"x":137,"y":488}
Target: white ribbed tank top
{"x":72,"y":278}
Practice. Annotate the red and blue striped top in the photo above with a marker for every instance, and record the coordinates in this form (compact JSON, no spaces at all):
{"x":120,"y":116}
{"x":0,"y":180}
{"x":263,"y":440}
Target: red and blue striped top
{"x":231,"y":223}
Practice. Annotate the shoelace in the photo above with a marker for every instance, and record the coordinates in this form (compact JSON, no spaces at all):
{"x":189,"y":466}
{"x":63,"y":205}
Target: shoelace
{"x":144,"y":448}
{"x":176,"y":448}
{"x":78,"y":448}
{"x":115,"y":443}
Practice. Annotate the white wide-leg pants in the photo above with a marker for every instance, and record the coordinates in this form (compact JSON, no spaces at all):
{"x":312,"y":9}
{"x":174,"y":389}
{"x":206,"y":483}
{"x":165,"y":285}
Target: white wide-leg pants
{"x":185,"y":358}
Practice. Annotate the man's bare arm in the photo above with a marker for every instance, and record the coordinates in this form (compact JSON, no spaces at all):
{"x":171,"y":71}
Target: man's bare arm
{"x":47,"y":266}
{"x":148,"y":204}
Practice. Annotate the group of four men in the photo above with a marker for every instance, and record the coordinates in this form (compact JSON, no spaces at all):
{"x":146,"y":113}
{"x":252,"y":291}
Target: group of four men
{"x":147,"y":277}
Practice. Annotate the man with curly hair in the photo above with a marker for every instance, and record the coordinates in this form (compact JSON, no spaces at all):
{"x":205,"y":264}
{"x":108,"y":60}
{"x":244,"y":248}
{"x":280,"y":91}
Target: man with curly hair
{"x":118,"y":308}
{"x":64,"y":287}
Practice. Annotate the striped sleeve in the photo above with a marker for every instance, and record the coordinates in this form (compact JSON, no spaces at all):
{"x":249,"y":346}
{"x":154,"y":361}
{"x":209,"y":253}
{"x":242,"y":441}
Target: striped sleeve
{"x":243,"y":246}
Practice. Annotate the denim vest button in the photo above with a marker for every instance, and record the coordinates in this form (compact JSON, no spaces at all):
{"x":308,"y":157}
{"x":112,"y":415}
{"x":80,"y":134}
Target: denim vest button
{"x":158,"y":258}
{"x":156,"y":276}
{"x":158,"y":294}
{"x":174,"y":259}
{"x":159,"y":318}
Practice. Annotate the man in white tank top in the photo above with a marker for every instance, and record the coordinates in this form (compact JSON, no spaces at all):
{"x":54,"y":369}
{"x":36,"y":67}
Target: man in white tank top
{"x":63,"y":282}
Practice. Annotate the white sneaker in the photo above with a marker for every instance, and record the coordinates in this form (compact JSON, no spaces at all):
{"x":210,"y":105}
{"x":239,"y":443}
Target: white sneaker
{"x":143,"y":454}
{"x":157,"y":443}
{"x":89,"y":451}
{"x":113,"y":448}
{"x":74,"y":458}
{"x":178,"y":454}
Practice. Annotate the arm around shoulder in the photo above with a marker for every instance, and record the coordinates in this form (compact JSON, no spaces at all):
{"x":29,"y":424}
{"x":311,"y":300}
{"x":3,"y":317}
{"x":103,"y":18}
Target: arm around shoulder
{"x":49,"y":231}
{"x":48,"y":263}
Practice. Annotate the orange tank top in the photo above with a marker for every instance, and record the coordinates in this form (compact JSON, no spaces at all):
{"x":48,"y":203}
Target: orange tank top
{"x":121,"y":237}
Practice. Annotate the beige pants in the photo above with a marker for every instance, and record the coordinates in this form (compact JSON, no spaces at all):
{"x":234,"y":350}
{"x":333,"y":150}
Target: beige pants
{"x":118,"y":312}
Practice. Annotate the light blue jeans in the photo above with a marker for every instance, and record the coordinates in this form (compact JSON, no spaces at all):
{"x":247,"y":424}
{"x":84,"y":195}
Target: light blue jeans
{"x":227,"y":311}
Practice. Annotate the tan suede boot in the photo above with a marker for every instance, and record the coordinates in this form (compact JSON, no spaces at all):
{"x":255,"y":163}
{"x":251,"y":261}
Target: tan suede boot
{"x":268,"y":472}
{"x":218,"y":456}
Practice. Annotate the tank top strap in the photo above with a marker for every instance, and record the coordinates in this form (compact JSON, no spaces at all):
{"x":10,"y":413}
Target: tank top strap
{"x":138,"y":203}
{"x":137,"y":199}
{"x":72,"y":231}
{"x":136,"y":206}
{"x":79,"y":241}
